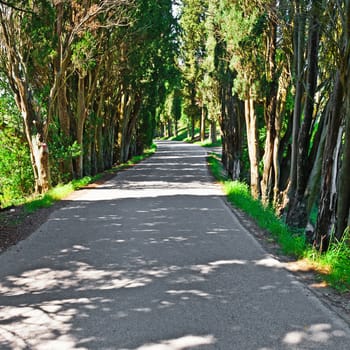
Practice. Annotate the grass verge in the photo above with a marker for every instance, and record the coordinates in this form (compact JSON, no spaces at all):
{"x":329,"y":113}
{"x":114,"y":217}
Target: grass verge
{"x":208,"y":143}
{"x":63,"y":190}
{"x":57,"y":193}
{"x":332,"y":266}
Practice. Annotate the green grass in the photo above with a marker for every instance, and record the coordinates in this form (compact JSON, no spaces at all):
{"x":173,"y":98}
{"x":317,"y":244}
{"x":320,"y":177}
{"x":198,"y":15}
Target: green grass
{"x":333,"y":266}
{"x":181,"y":135}
{"x":216,"y":168}
{"x":208,"y":143}
{"x":57,"y":193}
{"x":336,"y":260}
{"x":239,"y":195}
{"x":63,"y":190}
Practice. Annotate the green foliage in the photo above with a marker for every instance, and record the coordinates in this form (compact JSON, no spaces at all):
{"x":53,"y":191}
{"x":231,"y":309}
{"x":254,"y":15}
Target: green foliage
{"x":192,"y":53}
{"x":16,"y":176}
{"x":40,"y":40}
{"x":336,"y":259}
{"x":84,"y":53}
{"x":338,"y":256}
{"x":61,"y":149}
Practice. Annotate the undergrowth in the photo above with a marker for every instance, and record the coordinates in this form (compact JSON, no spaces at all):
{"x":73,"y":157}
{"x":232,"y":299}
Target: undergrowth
{"x":335,"y":260}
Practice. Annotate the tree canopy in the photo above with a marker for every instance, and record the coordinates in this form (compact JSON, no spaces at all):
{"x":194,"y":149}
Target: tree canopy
{"x":87,"y":84}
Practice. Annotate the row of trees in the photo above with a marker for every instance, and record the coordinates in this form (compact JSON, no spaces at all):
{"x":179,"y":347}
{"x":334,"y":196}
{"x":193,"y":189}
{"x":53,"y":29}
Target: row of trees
{"x":86,"y":78}
{"x":83,"y":82}
{"x":275,"y":75}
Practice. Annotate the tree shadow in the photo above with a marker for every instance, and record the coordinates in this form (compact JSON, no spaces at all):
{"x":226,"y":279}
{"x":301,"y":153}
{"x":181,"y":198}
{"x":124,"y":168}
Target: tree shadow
{"x":139,"y":263}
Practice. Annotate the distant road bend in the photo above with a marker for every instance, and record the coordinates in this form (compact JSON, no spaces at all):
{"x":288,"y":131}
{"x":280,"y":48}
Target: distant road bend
{"x":154,"y":260}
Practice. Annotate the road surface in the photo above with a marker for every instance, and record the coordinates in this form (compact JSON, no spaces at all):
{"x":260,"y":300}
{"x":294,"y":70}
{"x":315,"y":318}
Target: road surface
{"x":154,"y":260}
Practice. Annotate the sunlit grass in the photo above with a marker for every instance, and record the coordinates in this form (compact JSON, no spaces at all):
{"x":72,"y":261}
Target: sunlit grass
{"x":239,"y":195}
{"x":182,"y":135}
{"x":208,"y":143}
{"x":57,"y":193}
{"x":63,"y":190}
{"x":333,"y":266}
{"x":336,"y":261}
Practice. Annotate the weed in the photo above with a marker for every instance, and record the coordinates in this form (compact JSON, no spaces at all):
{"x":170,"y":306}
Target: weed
{"x":337,"y":258}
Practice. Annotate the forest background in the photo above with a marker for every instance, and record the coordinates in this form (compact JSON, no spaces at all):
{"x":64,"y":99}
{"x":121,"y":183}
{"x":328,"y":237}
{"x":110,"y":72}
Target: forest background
{"x":85,"y":85}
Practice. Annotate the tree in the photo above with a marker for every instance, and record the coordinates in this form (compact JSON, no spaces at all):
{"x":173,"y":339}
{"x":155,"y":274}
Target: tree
{"x":333,"y":214}
{"x":31,"y":48}
{"x":297,"y":208}
{"x":192,"y":46}
{"x":16,"y":47}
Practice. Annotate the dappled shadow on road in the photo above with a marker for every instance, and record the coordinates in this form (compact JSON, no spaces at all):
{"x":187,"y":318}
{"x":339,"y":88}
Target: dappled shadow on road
{"x":134,"y":278}
{"x":138,"y":257}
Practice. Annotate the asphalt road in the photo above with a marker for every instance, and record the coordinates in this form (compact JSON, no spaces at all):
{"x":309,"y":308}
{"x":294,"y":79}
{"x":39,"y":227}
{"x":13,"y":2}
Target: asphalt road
{"x":154,"y":260}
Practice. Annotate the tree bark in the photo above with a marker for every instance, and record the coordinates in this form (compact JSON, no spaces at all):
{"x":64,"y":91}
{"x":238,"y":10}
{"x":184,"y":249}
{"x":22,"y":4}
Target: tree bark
{"x":253,"y":144}
{"x":58,"y":93}
{"x":212,"y":131}
{"x":129,"y":109}
{"x":203,"y":119}
{"x":299,"y":47}
{"x":34,"y":124}
{"x":297,"y":209}
{"x":231,"y":128}
{"x":326,"y":212}
{"x":270,"y":106}
{"x":313,"y":188}
{"x":343,"y":206}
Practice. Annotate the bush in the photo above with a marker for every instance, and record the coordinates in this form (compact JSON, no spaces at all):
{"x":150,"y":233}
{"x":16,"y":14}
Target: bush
{"x":16,"y":175}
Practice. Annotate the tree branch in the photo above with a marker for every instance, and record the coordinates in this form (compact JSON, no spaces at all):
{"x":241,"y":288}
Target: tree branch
{"x":15,"y":7}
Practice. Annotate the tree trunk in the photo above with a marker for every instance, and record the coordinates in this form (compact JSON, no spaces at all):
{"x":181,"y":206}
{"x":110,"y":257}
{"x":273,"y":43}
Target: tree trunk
{"x":297,"y":209}
{"x":169,"y":128}
{"x":203,"y":118}
{"x":58,"y":93}
{"x":231,"y":128}
{"x":343,"y":206}
{"x":212,"y":131}
{"x":34,"y":125}
{"x":280,"y":143}
{"x":299,"y":47}
{"x":253,"y":145}
{"x":36,"y":134}
{"x":80,"y":121}
{"x":326,"y":217}
{"x":272,"y":138}
{"x":125,"y":111}
{"x":176,"y":127}
{"x":130,"y":107}
{"x":313,"y":188}
{"x":193,"y":125}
